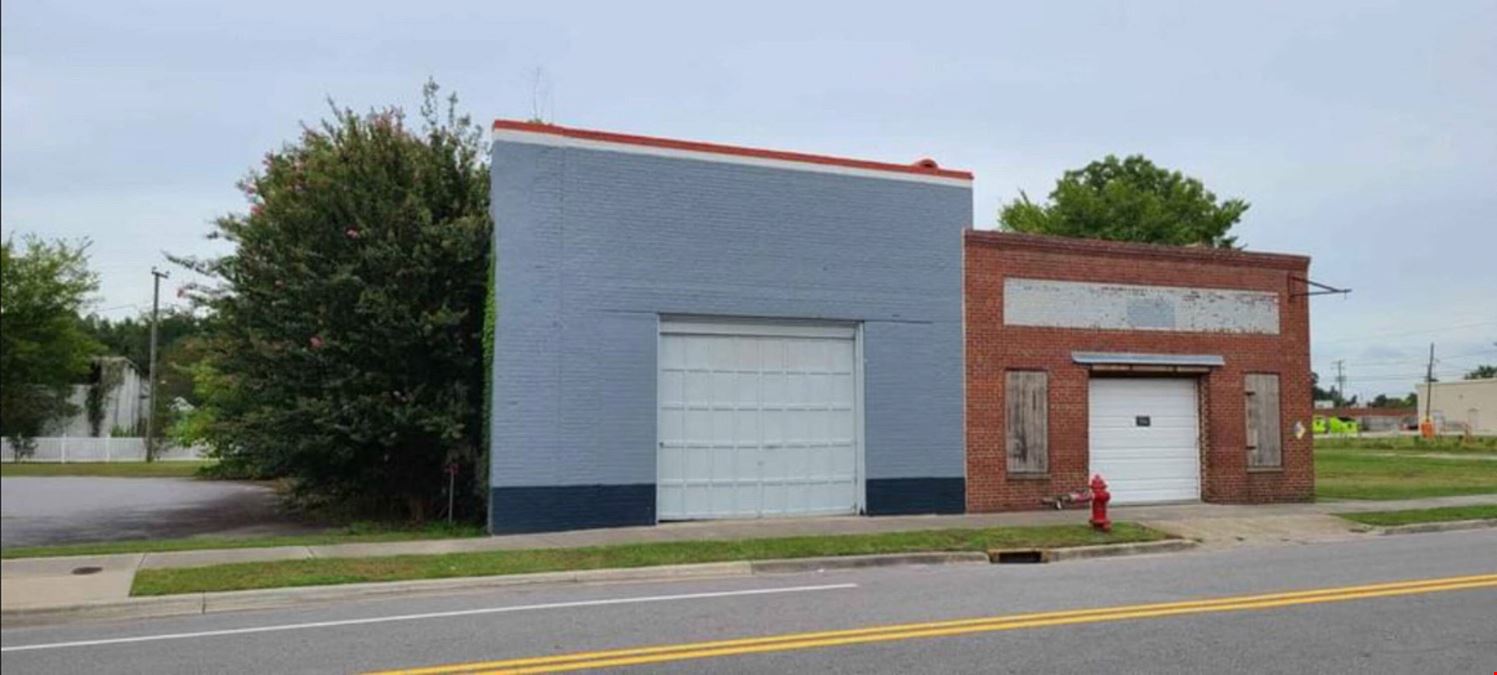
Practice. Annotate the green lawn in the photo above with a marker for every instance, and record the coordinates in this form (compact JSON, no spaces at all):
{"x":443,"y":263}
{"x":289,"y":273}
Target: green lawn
{"x":358,"y":533}
{"x":183,"y":469}
{"x":1410,"y":516}
{"x":323,"y":571}
{"x":1411,"y":444}
{"x":1392,"y":470}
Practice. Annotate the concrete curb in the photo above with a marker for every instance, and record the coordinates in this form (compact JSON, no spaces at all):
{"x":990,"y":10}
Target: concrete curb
{"x":1113,"y":550}
{"x":847,"y":562}
{"x":133,"y":608}
{"x":272,"y":598}
{"x":1447,"y":526}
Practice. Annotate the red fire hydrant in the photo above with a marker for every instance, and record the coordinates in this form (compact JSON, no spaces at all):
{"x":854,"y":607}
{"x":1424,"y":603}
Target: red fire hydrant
{"x":1100,"y":497}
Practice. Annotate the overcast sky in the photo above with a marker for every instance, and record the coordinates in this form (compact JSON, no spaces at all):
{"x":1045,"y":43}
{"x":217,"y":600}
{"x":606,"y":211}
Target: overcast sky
{"x":1363,"y":133}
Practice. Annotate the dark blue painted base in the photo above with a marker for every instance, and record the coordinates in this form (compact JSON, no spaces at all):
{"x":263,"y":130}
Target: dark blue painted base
{"x":902,"y":496}
{"x":518,"y":510}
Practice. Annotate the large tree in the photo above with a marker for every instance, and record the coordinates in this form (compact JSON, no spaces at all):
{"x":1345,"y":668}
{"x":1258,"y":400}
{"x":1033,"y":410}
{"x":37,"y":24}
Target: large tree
{"x":44,"y":349}
{"x":344,"y":350}
{"x":1128,"y":199}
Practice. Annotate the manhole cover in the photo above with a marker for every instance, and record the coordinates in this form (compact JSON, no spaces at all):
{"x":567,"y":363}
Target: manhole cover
{"x":89,"y":569}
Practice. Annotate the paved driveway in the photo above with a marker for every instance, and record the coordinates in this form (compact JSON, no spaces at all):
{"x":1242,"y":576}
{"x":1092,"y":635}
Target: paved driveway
{"x":70,"y":509}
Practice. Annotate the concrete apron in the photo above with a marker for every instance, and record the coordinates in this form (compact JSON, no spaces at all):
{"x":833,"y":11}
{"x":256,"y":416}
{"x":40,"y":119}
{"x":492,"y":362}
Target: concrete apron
{"x":1261,"y":531}
{"x":49,"y":582}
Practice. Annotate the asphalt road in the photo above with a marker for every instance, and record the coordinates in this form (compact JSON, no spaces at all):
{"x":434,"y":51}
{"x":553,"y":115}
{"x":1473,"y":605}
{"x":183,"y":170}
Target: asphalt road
{"x":70,"y":509}
{"x":1435,"y":628}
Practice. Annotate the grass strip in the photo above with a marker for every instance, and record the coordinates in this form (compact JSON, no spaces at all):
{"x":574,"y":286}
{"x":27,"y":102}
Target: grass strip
{"x":358,"y":533}
{"x":1481,"y":445}
{"x":174,"y":469}
{"x":325,"y":571}
{"x":1412,"y":516}
{"x":1353,"y":474}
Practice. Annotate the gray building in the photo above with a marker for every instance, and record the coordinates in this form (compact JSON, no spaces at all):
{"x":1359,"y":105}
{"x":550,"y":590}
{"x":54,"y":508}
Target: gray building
{"x":122,"y":402}
{"x":1461,"y":406}
{"x":693,"y":331}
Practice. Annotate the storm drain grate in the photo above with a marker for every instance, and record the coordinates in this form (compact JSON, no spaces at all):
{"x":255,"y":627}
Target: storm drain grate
{"x":87,"y":569}
{"x":1028,"y":557}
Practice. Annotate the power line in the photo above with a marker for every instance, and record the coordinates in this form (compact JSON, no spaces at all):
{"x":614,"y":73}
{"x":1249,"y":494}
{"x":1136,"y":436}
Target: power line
{"x":1406,"y":362}
{"x":1419,"y":360}
{"x":116,"y":307}
{"x":1412,"y":376}
{"x":1371,"y":336}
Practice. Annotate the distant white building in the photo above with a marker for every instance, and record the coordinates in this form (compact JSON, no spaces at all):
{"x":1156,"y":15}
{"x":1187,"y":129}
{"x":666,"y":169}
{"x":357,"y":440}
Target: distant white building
{"x":121,"y":401}
{"x":1461,"y":405}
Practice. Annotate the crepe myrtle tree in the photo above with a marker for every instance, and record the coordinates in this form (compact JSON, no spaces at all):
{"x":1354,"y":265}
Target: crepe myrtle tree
{"x":345,"y":349}
{"x":1129,"y":199}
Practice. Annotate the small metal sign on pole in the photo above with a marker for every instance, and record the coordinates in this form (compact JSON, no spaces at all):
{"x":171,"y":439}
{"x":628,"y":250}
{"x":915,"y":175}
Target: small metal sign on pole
{"x":451,"y":488}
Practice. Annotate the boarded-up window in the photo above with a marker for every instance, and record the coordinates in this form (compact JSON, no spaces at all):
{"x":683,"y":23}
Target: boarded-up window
{"x":1264,"y":438}
{"x":1028,"y":400}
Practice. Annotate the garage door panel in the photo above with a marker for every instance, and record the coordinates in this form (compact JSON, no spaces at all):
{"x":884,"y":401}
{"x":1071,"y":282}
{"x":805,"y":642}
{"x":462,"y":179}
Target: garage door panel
{"x":1162,"y":444}
{"x":745,"y":389}
{"x":1152,"y":462}
{"x":747,"y":496}
{"x":746,"y":355}
{"x":697,"y":427}
{"x":697,"y":388}
{"x":746,"y":423}
{"x":1160,"y":491}
{"x":1142,"y":470}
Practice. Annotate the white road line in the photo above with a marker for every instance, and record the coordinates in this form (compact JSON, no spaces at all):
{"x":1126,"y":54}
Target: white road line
{"x":428,"y":615}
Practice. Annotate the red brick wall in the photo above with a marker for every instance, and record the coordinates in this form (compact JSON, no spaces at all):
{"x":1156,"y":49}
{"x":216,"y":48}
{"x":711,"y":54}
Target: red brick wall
{"x":992,"y":348}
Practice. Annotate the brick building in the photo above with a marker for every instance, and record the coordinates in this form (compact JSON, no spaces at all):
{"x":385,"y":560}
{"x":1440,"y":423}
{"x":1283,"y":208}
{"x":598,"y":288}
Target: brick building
{"x":691,"y":331}
{"x":1176,"y":373}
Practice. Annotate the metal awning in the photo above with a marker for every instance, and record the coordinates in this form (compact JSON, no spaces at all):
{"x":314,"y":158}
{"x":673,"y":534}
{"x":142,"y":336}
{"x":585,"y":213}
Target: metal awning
{"x":1134,"y":360}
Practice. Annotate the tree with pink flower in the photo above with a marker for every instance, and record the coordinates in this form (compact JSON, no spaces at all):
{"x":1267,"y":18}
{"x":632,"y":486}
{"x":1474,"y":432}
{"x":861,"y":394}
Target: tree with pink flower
{"x":359,"y":269}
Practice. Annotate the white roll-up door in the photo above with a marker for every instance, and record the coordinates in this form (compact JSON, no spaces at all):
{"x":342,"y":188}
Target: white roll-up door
{"x":1145,"y":438}
{"x":756,"y":420}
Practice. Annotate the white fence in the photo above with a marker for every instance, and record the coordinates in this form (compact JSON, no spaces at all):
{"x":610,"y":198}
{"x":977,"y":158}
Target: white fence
{"x":91,"y":449}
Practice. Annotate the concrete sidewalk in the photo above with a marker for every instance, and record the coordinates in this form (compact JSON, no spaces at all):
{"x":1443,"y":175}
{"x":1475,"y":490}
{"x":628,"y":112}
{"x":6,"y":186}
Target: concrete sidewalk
{"x":53,"y":582}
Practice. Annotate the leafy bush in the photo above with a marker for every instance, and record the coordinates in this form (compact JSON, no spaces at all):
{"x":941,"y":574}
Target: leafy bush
{"x":345,"y":351}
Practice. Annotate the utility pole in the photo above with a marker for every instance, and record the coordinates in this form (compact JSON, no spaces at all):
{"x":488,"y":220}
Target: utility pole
{"x":1429,"y":393}
{"x":157,"y":276}
{"x":1340,"y":382}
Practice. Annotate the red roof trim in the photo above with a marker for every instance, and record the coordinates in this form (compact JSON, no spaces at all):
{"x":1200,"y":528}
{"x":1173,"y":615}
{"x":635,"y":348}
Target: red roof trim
{"x":733,"y":150}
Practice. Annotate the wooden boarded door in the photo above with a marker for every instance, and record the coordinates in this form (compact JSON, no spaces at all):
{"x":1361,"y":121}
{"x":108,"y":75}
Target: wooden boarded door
{"x":1265,"y":443}
{"x":1027,"y":398}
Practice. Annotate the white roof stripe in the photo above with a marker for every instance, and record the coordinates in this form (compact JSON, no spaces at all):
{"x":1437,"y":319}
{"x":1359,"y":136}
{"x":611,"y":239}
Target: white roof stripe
{"x":555,"y":140}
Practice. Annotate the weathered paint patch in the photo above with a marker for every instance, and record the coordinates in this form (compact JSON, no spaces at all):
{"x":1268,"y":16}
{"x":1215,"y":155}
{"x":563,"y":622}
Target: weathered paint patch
{"x":1075,"y":304}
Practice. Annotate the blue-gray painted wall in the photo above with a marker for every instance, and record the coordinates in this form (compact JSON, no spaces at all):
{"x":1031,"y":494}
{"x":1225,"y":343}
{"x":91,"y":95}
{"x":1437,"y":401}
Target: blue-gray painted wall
{"x":594,"y":246}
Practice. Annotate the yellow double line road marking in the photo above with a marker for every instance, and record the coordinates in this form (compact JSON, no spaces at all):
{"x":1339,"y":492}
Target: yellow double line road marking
{"x":834,"y":638}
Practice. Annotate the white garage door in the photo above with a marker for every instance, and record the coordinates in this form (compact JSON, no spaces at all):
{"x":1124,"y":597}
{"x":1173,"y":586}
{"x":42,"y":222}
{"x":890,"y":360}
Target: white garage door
{"x":1145,"y":438}
{"x":756,"y":421}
